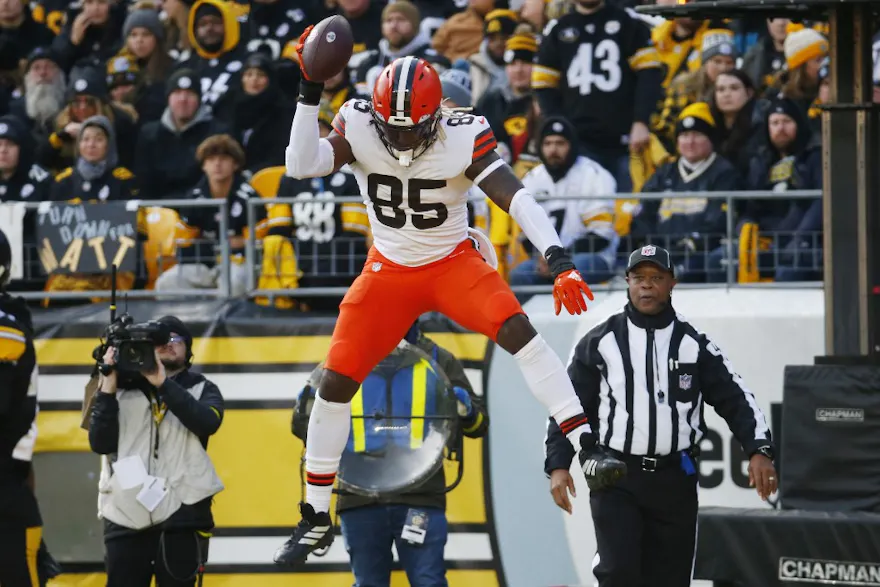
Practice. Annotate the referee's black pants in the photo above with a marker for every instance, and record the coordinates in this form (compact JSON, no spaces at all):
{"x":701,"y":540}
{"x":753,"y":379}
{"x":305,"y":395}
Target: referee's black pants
{"x":646,"y":528}
{"x":18,"y":556}
{"x":174,"y":557}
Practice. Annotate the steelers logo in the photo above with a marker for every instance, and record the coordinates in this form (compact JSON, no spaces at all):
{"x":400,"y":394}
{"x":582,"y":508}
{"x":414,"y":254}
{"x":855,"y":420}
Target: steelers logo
{"x":688,"y":122}
{"x":331,"y":36}
{"x":418,"y":521}
{"x":184,"y":83}
{"x":80,"y":85}
{"x":557,"y":127}
{"x":3,"y":128}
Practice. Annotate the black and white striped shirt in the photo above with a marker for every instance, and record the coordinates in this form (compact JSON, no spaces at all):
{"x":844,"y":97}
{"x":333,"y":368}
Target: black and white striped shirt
{"x":643,"y":381}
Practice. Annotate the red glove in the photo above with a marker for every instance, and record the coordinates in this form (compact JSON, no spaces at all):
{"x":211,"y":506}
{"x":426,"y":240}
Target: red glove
{"x":569,"y":289}
{"x":299,"y":49}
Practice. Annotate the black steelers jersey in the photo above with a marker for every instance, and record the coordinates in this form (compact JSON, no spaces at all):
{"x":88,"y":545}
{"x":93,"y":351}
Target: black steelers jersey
{"x":588,"y":69}
{"x":329,"y":237}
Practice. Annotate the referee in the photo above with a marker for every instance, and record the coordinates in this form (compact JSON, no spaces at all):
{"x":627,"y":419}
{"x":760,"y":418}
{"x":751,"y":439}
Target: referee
{"x":642,"y":376}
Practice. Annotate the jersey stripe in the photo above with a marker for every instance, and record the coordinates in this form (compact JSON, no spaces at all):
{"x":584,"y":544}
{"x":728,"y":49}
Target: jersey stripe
{"x":338,"y":124}
{"x":484,"y":144}
{"x":544,"y":77}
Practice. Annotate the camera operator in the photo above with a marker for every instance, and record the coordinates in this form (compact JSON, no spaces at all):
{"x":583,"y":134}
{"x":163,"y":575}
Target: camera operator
{"x":157,"y":480}
{"x":21,"y":526}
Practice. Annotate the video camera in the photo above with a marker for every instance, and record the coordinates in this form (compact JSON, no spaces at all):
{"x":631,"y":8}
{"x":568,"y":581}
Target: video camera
{"x":134,"y":344}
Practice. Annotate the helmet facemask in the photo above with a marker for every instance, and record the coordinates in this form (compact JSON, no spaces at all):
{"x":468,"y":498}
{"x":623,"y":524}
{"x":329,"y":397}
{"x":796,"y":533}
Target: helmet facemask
{"x":406,"y":143}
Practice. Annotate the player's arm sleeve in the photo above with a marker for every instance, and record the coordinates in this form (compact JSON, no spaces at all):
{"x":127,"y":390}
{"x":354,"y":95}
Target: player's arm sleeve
{"x":547,"y":73}
{"x":648,"y":68}
{"x":307,"y":154}
{"x":495,"y":177}
{"x":586,"y":377}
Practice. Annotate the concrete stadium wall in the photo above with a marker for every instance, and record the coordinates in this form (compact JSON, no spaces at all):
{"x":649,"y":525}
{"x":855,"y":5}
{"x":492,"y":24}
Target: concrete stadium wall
{"x":759,"y":330}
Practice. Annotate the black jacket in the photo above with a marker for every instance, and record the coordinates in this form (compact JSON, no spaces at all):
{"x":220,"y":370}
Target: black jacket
{"x":697,"y":372}
{"x":98,"y":45}
{"x":261,"y":124}
{"x":676,"y":219}
{"x":18,"y":411}
{"x":165,"y":159}
{"x":116,"y":185}
{"x":799,"y":169}
{"x":200,"y":416}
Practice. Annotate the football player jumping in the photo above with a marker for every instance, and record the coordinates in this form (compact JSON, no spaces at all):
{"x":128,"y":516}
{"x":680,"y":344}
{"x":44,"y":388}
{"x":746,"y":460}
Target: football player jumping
{"x":414,"y":162}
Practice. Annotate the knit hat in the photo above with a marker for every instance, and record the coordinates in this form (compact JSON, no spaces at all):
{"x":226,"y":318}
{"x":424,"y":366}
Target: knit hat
{"x":122,"y":70}
{"x":558,"y":126}
{"x":501,"y":21}
{"x":696,"y":117}
{"x":717,"y":42}
{"x":87,"y":81}
{"x":144,"y":19}
{"x":43,"y":53}
{"x":176,"y":325}
{"x":522,"y":46}
{"x":205,"y":9}
{"x":183,"y":79}
{"x":781,"y":105}
{"x":261,"y":61}
{"x":457,"y":87}
{"x":102,"y":122}
{"x":803,"y":45}
{"x":11,"y":129}
{"x":405,"y":8}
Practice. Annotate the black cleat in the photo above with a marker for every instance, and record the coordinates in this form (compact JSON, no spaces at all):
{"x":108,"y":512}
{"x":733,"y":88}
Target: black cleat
{"x":314,"y":532}
{"x":601,"y":469}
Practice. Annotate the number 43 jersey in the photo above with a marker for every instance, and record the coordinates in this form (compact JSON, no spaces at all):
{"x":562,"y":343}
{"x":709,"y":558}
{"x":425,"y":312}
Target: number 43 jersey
{"x":418,"y":214}
{"x":592,"y":60}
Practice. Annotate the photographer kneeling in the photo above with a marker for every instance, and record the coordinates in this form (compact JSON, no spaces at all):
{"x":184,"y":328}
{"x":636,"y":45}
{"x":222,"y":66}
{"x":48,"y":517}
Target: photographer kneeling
{"x":157,"y":480}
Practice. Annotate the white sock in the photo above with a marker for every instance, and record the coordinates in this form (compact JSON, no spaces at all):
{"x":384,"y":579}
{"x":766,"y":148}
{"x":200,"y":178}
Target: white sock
{"x":329,"y":426}
{"x":549,"y":383}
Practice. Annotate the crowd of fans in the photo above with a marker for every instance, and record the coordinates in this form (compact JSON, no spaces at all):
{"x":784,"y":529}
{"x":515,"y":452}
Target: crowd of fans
{"x":103,"y":100}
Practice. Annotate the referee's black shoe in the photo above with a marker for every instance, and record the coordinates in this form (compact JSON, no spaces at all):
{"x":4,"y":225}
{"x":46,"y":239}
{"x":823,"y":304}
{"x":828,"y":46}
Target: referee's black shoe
{"x":314,"y":532}
{"x":601,"y":469}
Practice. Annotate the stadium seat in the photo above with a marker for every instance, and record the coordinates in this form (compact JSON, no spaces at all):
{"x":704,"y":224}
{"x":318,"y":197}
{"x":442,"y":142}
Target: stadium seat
{"x":265,"y":182}
{"x":165,"y":233}
{"x":279,"y":268}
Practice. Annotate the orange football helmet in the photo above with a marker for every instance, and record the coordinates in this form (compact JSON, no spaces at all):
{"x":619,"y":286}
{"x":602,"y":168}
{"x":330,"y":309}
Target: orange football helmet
{"x":406,"y":106}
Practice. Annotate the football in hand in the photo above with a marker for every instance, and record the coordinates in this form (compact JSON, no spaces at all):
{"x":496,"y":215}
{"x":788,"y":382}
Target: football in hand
{"x":328,"y":48}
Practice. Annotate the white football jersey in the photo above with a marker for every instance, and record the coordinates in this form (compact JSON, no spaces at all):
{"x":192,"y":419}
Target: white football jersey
{"x":418,"y":214}
{"x":592,"y":213}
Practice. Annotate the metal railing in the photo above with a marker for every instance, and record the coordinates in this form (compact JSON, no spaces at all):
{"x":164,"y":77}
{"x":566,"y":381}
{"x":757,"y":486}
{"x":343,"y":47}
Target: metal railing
{"x":253,"y":247}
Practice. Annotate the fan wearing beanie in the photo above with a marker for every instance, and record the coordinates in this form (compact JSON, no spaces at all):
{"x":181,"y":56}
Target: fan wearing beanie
{"x":696,"y":226}
{"x":218,"y":54}
{"x":717,"y":55}
{"x":507,"y":107}
{"x":401,"y":36}
{"x":805,"y":50}
{"x":584,"y":224}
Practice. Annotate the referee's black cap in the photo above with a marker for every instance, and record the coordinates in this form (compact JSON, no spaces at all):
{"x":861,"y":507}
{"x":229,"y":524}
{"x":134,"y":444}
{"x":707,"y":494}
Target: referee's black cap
{"x":651,"y":254}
